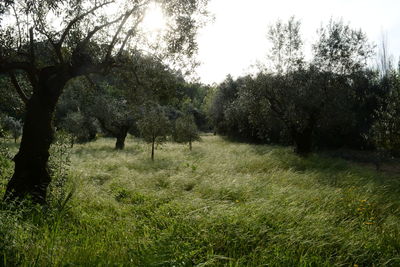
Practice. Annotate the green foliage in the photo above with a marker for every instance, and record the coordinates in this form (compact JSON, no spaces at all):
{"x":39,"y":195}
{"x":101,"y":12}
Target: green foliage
{"x":13,"y":126}
{"x":114,"y":114}
{"x":286,"y":53}
{"x":6,"y":165}
{"x":301,"y":102}
{"x":385,"y":132}
{"x":74,"y":111}
{"x":10,"y":102}
{"x":185,"y":130}
{"x":75,"y":123}
{"x":59,"y":191}
{"x":341,"y":49}
{"x":153,"y":125}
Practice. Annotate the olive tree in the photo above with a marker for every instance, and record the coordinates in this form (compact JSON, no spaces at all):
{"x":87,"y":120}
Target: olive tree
{"x":154,"y":125}
{"x":186,"y":130}
{"x":115,"y":116}
{"x":303,"y":95}
{"x":89,"y":38}
{"x":79,"y":126}
{"x":385,"y":131}
{"x":13,"y":126}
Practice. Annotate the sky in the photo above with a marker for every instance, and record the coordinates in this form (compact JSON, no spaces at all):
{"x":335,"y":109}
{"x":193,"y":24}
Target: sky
{"x":236,"y":40}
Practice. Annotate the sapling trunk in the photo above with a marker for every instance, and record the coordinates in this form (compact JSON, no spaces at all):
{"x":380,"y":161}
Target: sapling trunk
{"x":152,"y":149}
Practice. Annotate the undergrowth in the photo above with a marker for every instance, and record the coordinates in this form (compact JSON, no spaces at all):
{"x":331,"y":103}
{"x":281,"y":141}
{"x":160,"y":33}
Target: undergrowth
{"x":222,"y":204}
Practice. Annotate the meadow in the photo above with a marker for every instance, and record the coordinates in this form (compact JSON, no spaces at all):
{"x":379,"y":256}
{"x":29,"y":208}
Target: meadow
{"x":221,"y":204}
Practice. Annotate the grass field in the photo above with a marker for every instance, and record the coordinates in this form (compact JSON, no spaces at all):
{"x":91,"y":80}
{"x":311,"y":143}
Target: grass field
{"x":222,"y":204}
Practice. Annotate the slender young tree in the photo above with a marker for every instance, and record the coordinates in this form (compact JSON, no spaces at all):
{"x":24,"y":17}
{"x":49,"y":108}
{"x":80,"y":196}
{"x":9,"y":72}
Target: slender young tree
{"x":91,"y":39}
{"x":154,"y":125}
{"x":186,"y":130}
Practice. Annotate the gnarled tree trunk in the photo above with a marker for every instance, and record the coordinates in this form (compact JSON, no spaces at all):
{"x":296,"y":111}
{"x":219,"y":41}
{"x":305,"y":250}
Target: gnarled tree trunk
{"x":303,"y":138}
{"x":120,"y":144}
{"x":303,"y":142}
{"x":31,"y":176}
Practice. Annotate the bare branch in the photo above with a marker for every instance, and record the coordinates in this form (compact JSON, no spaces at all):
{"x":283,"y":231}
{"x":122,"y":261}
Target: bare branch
{"x":31,"y":47}
{"x":17,"y":87}
{"x":57,"y":48}
{"x":78,"y":18}
{"x":129,"y":34}
{"x":113,"y":41}
{"x":19,"y":27}
{"x":95,"y":30}
{"x":7,"y":67}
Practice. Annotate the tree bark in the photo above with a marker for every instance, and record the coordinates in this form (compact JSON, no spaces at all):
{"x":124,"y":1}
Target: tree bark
{"x":31,"y":176}
{"x":190,"y":144}
{"x":152,"y":149}
{"x":120,"y":144}
{"x":303,"y":141}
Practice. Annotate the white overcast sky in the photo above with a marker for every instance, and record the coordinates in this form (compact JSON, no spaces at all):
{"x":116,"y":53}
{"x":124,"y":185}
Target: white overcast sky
{"x":236,"y":40}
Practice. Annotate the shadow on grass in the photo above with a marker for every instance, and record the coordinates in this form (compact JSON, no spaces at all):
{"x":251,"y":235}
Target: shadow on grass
{"x":340,"y":173}
{"x":147,"y":165}
{"x":107,"y":149}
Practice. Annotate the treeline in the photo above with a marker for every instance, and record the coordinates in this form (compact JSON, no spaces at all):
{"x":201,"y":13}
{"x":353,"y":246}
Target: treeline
{"x":333,"y":100}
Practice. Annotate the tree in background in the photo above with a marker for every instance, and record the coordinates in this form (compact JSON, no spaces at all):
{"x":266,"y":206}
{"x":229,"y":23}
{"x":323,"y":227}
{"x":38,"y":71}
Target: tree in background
{"x":153,"y":125}
{"x":286,"y":53}
{"x":13,"y":126}
{"x":73,"y":111}
{"x":226,"y":93}
{"x":10,"y":103}
{"x":297,"y":101}
{"x":115,"y":117}
{"x":341,"y":49}
{"x":385,"y":131}
{"x":89,"y":42}
{"x":186,"y":130}
{"x":305,"y":95}
{"x":75,"y":123}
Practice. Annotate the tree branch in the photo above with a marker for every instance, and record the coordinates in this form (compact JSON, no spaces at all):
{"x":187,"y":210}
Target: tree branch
{"x":31,"y":47}
{"x":57,"y":48}
{"x":130,"y":33}
{"x":10,"y":66}
{"x":78,"y":18}
{"x":19,"y":27}
{"x":18,"y":88}
{"x":113,"y":41}
{"x":85,"y":41}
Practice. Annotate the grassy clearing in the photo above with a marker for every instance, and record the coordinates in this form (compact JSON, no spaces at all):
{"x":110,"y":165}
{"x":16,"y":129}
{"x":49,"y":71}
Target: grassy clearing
{"x":222,"y":204}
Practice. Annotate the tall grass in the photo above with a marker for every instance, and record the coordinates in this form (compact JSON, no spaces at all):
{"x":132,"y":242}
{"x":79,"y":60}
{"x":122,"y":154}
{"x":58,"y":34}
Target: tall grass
{"x":222,"y":204}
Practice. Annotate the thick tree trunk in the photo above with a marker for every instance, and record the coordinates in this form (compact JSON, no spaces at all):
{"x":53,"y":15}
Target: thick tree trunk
{"x":31,"y":176}
{"x":120,"y":144}
{"x":303,"y":141}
